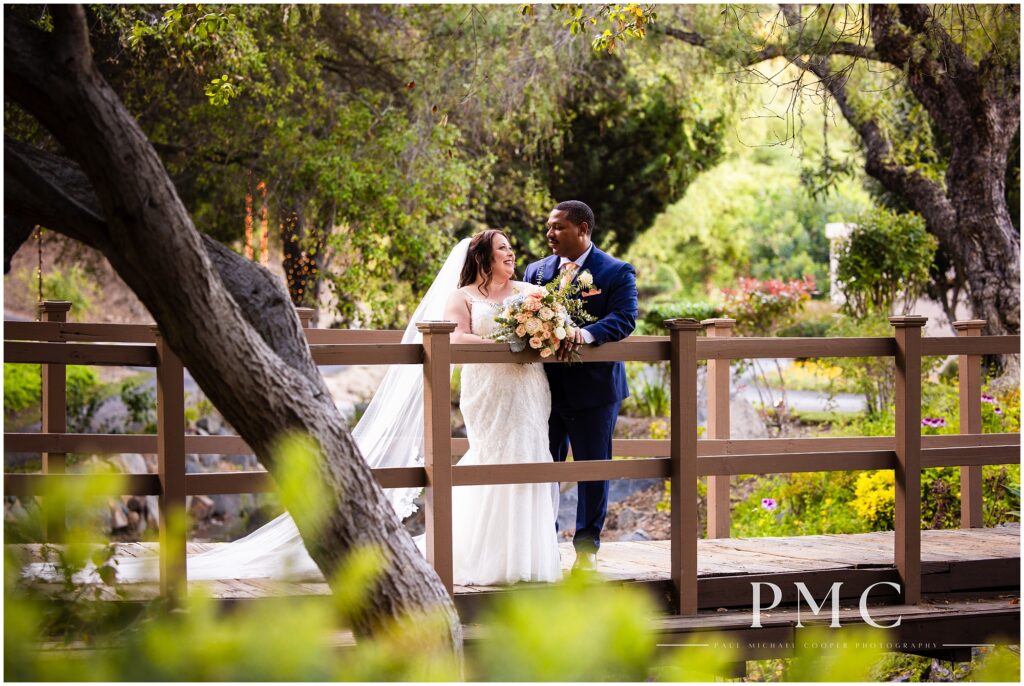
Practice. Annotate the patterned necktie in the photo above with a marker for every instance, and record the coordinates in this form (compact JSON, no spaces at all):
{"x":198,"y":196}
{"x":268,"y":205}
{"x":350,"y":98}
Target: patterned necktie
{"x":568,"y":269}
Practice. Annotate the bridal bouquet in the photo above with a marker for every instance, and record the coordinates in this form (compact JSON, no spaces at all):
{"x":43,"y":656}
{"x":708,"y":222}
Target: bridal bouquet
{"x":541,"y":317}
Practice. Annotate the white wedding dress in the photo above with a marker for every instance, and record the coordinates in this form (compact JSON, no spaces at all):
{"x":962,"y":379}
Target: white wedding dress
{"x":505,"y":533}
{"x":501,"y":534}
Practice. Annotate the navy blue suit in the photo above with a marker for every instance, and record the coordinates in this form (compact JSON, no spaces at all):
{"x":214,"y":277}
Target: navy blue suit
{"x":585,"y":398}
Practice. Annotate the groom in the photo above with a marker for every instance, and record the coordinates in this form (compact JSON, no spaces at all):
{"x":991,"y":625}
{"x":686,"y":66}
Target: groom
{"x":585,"y":398}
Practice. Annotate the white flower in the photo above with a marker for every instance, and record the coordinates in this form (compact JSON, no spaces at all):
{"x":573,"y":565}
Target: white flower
{"x":585,"y":279}
{"x":533,"y":325}
{"x":560,"y":333}
{"x":546,"y":313}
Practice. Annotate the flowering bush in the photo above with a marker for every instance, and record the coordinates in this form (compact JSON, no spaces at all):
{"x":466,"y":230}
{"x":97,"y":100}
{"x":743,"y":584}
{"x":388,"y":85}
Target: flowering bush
{"x":763,"y":307}
{"x":542,"y":317}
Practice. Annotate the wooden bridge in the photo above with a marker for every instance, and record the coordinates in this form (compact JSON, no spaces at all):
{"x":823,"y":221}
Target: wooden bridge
{"x":972,"y":572}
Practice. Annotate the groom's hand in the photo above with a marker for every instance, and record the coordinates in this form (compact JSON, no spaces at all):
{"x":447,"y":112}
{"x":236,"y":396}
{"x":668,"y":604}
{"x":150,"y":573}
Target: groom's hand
{"x":571,"y":345}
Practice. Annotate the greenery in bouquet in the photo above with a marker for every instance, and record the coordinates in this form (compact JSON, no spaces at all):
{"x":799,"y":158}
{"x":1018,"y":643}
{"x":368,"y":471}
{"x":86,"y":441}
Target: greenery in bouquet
{"x":542,"y":317}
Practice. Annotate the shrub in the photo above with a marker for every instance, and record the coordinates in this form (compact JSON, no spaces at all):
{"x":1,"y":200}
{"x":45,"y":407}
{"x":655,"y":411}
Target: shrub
{"x":85,"y":393}
{"x":649,"y":384}
{"x":887,"y":256}
{"x":140,"y":400}
{"x":761,"y":308}
{"x":652,"y":322}
{"x":22,"y":386}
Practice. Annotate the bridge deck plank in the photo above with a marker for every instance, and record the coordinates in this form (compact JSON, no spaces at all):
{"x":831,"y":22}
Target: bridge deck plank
{"x":942,"y":551}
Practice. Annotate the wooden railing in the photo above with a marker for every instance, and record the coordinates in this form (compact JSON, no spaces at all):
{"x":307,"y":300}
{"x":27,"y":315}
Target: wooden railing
{"x":681,"y":459}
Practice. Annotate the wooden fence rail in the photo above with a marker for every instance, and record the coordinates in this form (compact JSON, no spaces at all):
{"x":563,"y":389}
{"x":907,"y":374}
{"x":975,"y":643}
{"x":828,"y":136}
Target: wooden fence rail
{"x":681,"y":459}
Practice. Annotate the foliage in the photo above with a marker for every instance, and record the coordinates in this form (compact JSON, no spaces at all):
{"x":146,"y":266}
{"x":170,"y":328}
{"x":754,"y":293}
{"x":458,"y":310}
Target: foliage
{"x":71,"y":284}
{"x":816,"y":375}
{"x":652,"y":321}
{"x":748,"y":216}
{"x":139,"y":398}
{"x":874,"y":377}
{"x":631,"y":150}
{"x":625,"y":21}
{"x":649,"y":389}
{"x":886,"y":257}
{"x":85,"y":392}
{"x":761,"y":308}
{"x":22,"y":386}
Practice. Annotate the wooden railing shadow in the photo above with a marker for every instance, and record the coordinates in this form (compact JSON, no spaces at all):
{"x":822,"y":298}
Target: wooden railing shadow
{"x":681,"y":459}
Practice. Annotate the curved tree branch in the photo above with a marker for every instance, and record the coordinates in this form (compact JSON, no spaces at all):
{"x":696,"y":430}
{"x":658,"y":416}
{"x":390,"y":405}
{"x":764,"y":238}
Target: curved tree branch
{"x":251,"y":360}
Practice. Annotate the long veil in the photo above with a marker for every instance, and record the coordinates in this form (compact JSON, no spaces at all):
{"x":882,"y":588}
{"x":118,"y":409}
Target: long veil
{"x":389,"y":434}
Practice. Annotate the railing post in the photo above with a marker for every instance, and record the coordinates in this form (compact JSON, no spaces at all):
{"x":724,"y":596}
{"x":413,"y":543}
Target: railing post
{"x":970,"y":423}
{"x":54,"y":402}
{"x":170,"y":406}
{"x":908,"y":454}
{"x":437,"y":446}
{"x":719,"y":514}
{"x":305,"y":316}
{"x":683,"y":484}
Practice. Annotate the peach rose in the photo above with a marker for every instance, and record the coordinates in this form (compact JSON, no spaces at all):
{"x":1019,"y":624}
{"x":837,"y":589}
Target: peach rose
{"x":536,"y":343}
{"x":520,"y":330}
{"x":546,"y":352}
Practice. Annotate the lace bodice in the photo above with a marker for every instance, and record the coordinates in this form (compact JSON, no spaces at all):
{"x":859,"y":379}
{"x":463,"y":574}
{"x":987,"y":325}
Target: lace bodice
{"x":482,"y":316}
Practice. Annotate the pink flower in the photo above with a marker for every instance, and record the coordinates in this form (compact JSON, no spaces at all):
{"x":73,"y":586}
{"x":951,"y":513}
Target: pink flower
{"x":986,"y":398}
{"x":769,"y":503}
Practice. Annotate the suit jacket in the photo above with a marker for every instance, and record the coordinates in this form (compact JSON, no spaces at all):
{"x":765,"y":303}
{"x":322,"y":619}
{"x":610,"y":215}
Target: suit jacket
{"x":593,"y":384}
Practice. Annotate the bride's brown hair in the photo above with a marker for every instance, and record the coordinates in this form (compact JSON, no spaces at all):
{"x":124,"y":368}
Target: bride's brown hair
{"x":478,"y":259}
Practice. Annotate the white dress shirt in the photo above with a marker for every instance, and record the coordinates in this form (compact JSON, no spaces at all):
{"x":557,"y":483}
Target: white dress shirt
{"x":588,"y":337}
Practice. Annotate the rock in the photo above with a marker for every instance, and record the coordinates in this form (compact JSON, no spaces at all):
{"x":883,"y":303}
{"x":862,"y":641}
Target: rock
{"x":210,"y":425}
{"x":621,"y":489}
{"x":14,"y":510}
{"x":744,"y":421}
{"x":129,"y":463}
{"x":567,"y":509}
{"x":152,"y":512}
{"x":200,"y":507}
{"x":227,"y":505}
{"x":248,"y":463}
{"x":637,"y":535}
{"x":209,"y":462}
{"x":627,"y":518}
{"x":118,"y":516}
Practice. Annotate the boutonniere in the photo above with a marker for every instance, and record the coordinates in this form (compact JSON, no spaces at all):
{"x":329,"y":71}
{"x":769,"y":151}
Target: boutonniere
{"x":586,"y":283}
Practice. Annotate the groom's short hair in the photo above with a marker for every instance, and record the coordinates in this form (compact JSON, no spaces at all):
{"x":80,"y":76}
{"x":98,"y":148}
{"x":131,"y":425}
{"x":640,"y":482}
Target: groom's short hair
{"x":578,"y":212}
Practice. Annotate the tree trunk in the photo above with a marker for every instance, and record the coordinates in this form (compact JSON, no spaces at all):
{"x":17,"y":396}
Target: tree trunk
{"x":228,"y":320}
{"x":984,"y":239}
{"x":303,"y":257}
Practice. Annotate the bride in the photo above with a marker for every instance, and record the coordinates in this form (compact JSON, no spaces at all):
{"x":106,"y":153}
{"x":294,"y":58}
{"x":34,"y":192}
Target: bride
{"x":505,"y":533}
{"x":501,"y":534}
